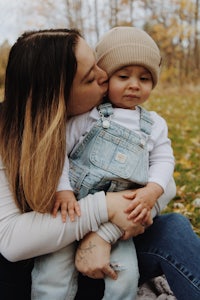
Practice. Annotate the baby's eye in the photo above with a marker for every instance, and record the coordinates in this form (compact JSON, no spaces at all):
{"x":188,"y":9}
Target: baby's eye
{"x":122,"y":76}
{"x":145,"y":78}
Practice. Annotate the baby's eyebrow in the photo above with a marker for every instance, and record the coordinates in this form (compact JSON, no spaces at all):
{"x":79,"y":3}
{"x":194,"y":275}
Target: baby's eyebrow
{"x":146,"y":72}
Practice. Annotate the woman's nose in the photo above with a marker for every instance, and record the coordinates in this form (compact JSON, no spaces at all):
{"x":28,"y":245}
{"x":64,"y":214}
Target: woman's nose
{"x":102,"y":76}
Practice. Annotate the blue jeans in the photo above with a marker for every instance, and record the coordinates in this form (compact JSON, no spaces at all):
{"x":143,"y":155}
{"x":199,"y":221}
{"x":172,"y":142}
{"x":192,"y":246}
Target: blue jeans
{"x":168,"y":247}
{"x":171,"y":247}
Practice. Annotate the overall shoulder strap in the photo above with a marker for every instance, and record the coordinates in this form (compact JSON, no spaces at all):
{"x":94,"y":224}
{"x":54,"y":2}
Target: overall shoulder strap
{"x":146,"y":121}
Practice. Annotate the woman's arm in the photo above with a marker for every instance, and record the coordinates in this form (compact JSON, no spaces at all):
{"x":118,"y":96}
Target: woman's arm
{"x":31,"y":234}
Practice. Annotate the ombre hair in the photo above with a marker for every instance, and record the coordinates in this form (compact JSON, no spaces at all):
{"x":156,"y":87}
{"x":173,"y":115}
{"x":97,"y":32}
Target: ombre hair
{"x":39,"y":75}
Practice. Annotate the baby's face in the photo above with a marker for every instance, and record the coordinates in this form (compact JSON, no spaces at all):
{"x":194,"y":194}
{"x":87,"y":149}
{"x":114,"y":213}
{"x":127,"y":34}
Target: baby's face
{"x":130,"y":86}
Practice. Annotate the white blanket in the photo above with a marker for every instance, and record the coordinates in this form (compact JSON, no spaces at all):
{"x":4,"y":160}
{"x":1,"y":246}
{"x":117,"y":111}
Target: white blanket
{"x":155,"y":289}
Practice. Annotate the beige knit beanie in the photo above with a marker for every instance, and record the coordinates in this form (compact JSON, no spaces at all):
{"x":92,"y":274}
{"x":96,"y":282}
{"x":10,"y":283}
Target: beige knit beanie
{"x":123,"y":46}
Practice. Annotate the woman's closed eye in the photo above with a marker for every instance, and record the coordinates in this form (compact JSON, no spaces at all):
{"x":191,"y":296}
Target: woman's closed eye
{"x":91,"y":80}
{"x":91,"y":77}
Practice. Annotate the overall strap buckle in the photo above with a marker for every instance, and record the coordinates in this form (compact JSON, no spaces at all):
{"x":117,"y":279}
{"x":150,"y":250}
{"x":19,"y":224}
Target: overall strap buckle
{"x":105,"y":112}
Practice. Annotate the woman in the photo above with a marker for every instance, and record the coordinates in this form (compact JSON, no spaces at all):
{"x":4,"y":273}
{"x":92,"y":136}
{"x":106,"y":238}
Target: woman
{"x":43,"y":73}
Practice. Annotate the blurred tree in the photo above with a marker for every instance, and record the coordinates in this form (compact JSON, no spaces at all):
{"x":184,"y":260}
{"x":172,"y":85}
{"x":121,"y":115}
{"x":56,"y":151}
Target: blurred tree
{"x":174,"y":24}
{"x":197,"y":35}
{"x":113,"y":13}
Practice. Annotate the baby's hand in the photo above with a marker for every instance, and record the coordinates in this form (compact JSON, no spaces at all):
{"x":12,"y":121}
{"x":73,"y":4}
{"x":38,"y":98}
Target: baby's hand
{"x":66,"y":201}
{"x":143,"y":200}
{"x":139,"y":207}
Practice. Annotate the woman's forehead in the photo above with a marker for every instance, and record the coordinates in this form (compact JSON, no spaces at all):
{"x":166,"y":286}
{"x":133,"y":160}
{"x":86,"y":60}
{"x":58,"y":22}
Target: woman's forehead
{"x":84,"y":51}
{"x":85,"y":59}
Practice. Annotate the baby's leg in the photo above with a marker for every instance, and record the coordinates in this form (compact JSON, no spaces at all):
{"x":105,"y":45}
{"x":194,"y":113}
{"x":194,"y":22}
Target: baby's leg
{"x":124,"y":260}
{"x":54,"y":275}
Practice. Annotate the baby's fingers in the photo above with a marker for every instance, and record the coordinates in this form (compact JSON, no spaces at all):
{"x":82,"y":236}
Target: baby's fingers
{"x":73,"y":209}
{"x":77,"y":209}
{"x":133,"y":207}
{"x":71,"y":213}
{"x":137,"y":213}
{"x":64,"y":212}
{"x":147,"y":219}
{"x":56,"y":208}
{"x":141,"y":216}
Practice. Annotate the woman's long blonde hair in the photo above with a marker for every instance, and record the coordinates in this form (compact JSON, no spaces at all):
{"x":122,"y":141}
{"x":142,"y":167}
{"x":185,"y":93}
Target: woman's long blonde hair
{"x":40,"y":71}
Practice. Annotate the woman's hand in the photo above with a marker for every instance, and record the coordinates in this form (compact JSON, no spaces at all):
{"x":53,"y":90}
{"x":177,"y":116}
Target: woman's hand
{"x":93,"y":257}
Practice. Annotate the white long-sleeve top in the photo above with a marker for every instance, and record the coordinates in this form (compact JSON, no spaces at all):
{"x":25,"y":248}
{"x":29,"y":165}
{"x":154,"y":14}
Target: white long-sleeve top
{"x":161,"y":159}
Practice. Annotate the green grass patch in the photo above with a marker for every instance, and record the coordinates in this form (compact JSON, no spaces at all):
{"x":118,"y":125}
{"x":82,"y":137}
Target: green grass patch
{"x":181,"y":110}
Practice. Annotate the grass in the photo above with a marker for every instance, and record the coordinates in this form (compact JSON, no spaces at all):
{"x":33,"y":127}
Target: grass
{"x":181,"y":108}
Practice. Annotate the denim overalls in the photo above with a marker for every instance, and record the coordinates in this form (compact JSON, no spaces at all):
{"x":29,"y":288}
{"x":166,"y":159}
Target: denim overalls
{"x":111,"y":157}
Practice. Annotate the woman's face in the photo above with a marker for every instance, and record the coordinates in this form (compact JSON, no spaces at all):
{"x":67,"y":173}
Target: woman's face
{"x":89,"y":84}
